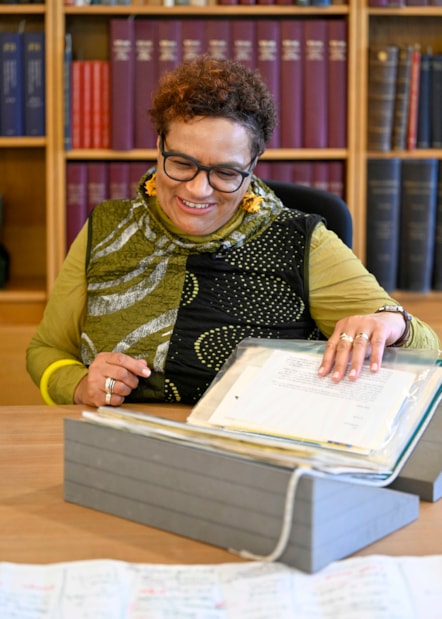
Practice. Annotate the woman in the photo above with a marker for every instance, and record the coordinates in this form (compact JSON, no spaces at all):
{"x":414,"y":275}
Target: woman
{"x":157,"y":291}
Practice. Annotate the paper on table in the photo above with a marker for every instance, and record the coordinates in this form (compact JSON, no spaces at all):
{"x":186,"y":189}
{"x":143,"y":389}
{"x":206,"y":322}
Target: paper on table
{"x":378,"y":587}
{"x":285,"y":397}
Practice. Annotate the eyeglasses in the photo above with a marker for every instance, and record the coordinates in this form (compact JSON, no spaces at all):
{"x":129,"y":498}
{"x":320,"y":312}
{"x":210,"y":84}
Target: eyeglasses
{"x":183,"y":168}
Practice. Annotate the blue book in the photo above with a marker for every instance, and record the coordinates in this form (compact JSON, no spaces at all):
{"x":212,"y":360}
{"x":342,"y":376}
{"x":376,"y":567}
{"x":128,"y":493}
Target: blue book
{"x":67,"y":75}
{"x":383,"y":212}
{"x":423,"y":139}
{"x":435,"y":101}
{"x":11,"y":96}
{"x":34,"y":83}
{"x":437,"y":262}
{"x":418,"y":224}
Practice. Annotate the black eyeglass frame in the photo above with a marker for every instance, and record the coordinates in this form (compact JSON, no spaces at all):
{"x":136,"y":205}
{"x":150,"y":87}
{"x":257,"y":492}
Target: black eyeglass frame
{"x":208,"y":169}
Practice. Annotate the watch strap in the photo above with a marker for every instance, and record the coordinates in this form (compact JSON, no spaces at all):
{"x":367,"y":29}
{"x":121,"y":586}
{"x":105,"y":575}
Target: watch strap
{"x":407,"y":318}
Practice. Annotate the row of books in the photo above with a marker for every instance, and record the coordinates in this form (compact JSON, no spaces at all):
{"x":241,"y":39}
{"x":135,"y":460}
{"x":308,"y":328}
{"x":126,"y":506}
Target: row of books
{"x":404,"y":98}
{"x":404,"y":223}
{"x":22,"y":83}
{"x":393,"y":4}
{"x":303,"y":61}
{"x":90,"y":182}
{"x":317,"y":3}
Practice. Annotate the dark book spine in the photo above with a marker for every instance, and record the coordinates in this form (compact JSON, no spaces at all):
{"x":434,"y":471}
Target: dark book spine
{"x":169,"y":45}
{"x":193,"y":38}
{"x":5,"y":259}
{"x":382,"y":67}
{"x":337,"y":83}
{"x":11,"y":84}
{"x":119,"y":186}
{"x":423,"y":138}
{"x":146,"y":66}
{"x":437,"y":261}
{"x":291,"y":90}
{"x":34,"y":82}
{"x":382,"y":220}
{"x":336,"y":178}
{"x":418,"y":223}
{"x":97,"y":183}
{"x":76,"y":104}
{"x":243,"y":41}
{"x":315,"y":83}
{"x":122,"y":58}
{"x":218,"y":38}
{"x":76,"y":199}
{"x":67,"y":77}
{"x":268,"y":62}
{"x":402,"y":97}
{"x":436,"y":101}
{"x":136,"y":170}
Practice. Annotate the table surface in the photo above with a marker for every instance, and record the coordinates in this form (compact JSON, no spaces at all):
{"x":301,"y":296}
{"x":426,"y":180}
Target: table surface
{"x":38,"y":526}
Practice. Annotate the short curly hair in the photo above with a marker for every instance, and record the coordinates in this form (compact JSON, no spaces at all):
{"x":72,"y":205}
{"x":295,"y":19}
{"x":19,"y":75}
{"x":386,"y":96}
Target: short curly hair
{"x":207,"y":86}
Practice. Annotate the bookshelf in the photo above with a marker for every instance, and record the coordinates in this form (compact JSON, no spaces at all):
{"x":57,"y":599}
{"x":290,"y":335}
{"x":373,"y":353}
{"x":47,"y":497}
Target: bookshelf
{"x":408,"y":24}
{"x":33,"y":170}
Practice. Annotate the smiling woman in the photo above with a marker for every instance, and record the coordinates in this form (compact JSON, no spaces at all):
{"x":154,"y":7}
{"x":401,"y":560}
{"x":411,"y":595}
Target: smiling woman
{"x":157,"y":291}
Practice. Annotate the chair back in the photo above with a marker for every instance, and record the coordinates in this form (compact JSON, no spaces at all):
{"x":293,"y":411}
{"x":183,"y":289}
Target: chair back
{"x":311,"y":200}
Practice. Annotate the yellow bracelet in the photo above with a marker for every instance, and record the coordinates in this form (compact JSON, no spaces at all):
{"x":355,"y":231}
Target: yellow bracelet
{"x":48,"y":373}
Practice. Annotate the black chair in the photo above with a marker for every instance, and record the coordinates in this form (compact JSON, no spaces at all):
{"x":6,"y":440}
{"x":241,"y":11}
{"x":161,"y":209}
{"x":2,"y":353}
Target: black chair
{"x":312,"y":200}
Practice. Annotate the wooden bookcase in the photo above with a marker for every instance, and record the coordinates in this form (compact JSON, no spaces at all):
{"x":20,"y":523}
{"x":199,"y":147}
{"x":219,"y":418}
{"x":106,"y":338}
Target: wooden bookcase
{"x":32,"y":171}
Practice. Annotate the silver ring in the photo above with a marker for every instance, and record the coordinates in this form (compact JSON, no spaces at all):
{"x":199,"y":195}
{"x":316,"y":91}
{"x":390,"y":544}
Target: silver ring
{"x":345,"y":338}
{"x":109,"y":385}
{"x":108,"y":397}
{"x":363,"y":335}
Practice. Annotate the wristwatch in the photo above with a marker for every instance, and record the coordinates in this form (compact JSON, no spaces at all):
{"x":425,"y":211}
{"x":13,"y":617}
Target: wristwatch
{"x":406,"y":316}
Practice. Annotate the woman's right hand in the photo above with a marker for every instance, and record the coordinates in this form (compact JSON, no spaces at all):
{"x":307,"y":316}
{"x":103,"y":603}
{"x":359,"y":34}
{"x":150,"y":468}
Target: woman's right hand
{"x":111,"y":378}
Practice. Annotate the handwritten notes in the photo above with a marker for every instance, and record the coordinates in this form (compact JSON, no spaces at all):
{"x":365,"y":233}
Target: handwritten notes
{"x":378,"y":587}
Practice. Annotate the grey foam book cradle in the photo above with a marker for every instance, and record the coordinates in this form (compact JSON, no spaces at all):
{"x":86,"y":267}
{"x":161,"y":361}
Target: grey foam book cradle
{"x":225,"y":500}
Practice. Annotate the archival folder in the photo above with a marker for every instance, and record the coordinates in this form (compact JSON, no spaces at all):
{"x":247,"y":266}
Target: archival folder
{"x":265,"y":497}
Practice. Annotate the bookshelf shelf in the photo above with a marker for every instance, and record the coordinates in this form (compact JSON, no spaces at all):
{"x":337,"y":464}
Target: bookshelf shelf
{"x":33,"y":170}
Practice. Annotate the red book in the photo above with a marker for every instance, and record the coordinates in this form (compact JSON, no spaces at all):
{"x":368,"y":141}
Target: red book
{"x":193,"y":38}
{"x":97,"y":183}
{"x":320,"y":175}
{"x":292,"y":104}
{"x":337,"y":83}
{"x":119,"y":186}
{"x":413,"y":106}
{"x":268,"y":62}
{"x":169,"y":45}
{"x":282,"y":171}
{"x":136,"y":171}
{"x":218,"y":38}
{"x":243,"y":41}
{"x":76,"y":199}
{"x":263,"y":169}
{"x":76,"y":111}
{"x":97,"y":103}
{"x":336,"y":178}
{"x":106,"y":110}
{"x":146,"y":44}
{"x":86,"y":103}
{"x":122,"y":59}
{"x":315,"y":83}
{"x":302,"y":173}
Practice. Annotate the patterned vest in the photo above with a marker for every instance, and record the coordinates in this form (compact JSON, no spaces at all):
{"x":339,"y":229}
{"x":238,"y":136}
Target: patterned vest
{"x":184,"y":306}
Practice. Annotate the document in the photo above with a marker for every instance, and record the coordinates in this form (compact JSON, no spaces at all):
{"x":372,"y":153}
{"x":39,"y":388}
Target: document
{"x":286,"y":397}
{"x":378,"y":587}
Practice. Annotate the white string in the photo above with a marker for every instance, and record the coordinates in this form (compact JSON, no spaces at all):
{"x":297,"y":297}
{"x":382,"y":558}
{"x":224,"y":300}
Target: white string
{"x":287,"y":518}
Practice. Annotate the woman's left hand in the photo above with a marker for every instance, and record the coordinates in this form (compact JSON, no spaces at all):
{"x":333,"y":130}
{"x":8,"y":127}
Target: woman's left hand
{"x":357,"y":337}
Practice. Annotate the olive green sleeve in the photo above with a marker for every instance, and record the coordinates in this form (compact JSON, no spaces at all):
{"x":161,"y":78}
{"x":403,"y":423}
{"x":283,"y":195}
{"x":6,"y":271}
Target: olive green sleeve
{"x":340,"y":286}
{"x":58,"y":334}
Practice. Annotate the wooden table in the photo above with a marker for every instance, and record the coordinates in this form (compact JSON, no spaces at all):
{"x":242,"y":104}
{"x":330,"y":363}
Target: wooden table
{"x":38,"y":526}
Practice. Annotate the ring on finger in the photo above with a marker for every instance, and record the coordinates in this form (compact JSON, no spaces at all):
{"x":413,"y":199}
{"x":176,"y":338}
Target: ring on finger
{"x":345,"y":338}
{"x":363,"y":335}
{"x":109,"y":385}
{"x":108,"y":397}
